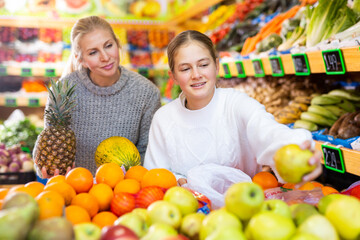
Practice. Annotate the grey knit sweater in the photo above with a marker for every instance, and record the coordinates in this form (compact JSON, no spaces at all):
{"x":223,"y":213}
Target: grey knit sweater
{"x":123,"y":109}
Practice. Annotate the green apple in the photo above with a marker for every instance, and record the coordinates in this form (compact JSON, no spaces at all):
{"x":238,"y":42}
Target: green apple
{"x":159,"y":231}
{"x":244,"y":199}
{"x":326,"y":200}
{"x":301,"y":211}
{"x":87,"y":231}
{"x":291,"y":162}
{"x":304,"y":236}
{"x":183,"y":199}
{"x":164,"y":212}
{"x":319,"y":226}
{"x":142,"y":212}
{"x":228,"y":233}
{"x":134,"y":222}
{"x":269,"y":225}
{"x":191,"y":224}
{"x":277,"y":206}
{"x":344,"y":214}
{"x":216,"y":219}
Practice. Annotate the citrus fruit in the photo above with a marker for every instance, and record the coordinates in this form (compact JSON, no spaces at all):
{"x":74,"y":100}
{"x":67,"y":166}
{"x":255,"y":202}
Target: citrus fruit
{"x":136,"y":172}
{"x":53,"y":195}
{"x":34,"y":188}
{"x":105,"y":218}
{"x":326,"y":190}
{"x":49,"y":207}
{"x":87,"y":201}
{"x":76,"y":214}
{"x":127,"y":185}
{"x":3,"y":192}
{"x":57,"y":178}
{"x":109,"y":173}
{"x":81,"y":179}
{"x":65,"y":190}
{"x":103,"y":194}
{"x":266,"y":180}
{"x":160,"y":177}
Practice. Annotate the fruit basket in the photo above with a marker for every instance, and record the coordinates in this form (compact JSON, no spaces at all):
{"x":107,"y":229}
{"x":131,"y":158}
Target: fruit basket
{"x":17,"y":177}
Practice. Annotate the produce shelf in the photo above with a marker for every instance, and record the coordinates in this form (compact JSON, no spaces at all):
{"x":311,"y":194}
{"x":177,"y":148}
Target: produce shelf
{"x":30,"y":71}
{"x":315,"y":59}
{"x":26,"y":100}
{"x":351,"y":158}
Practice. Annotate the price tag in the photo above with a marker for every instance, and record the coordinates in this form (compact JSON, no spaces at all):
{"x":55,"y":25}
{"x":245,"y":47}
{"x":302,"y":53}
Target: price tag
{"x":50,"y":72}
{"x":3,"y":71}
{"x":144,"y":72}
{"x":26,"y":72}
{"x":334,"y":61}
{"x":240,"y":68}
{"x":301,"y":64}
{"x":333,"y":158}
{"x":258,"y":68}
{"x":276,"y":66}
{"x":227,"y":73}
{"x":10,"y":102}
{"x":34,"y":102}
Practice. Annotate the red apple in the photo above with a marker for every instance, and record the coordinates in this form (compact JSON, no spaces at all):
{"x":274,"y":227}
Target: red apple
{"x":355,"y":191}
{"x":122,"y":203}
{"x":148,"y":195}
{"x":117,"y":232}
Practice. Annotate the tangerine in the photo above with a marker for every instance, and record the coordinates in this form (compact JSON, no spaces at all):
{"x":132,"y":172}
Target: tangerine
{"x":160,"y":177}
{"x":81,"y":179}
{"x":76,"y":214}
{"x":288,"y":185}
{"x":49,"y":207}
{"x":86,"y":201}
{"x":109,"y":173}
{"x":1,"y":203}
{"x":136,"y":172}
{"x":65,"y":190}
{"x":103,"y":194}
{"x":53,"y":195}
{"x":308,"y":186}
{"x":127,"y":185}
{"x":326,"y":190}
{"x":34,"y":188}
{"x":57,"y":178}
{"x":3,"y":192}
{"x":105,"y":218}
{"x":265,"y":179}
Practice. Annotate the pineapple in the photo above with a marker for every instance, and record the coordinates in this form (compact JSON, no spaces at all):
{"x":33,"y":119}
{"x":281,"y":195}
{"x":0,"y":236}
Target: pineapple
{"x":56,"y":144}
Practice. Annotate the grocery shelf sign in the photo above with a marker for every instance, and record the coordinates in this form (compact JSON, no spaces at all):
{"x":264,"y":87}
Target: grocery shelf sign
{"x":50,"y":72}
{"x":334,"y":61}
{"x":10,"y":102}
{"x":34,"y":102}
{"x":240,"y":69}
{"x":3,"y":71}
{"x":227,"y":73}
{"x":26,"y":72}
{"x":333,"y":158}
{"x":276,"y":66}
{"x":301,"y":64}
{"x":258,"y":68}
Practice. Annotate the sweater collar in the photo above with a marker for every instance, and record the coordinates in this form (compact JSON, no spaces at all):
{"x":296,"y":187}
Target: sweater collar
{"x":204,"y":109}
{"x":104,"y":91}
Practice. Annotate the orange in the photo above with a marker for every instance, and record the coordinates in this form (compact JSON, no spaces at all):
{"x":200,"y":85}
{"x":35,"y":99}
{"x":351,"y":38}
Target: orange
{"x":3,"y":192}
{"x":288,"y":185}
{"x":109,"y":173}
{"x":53,"y":195}
{"x":103,"y":194}
{"x":88,"y":202}
{"x":316,"y":184}
{"x":57,"y":178}
{"x":65,"y":189}
{"x":1,"y":203}
{"x":136,"y":172}
{"x":105,"y":218}
{"x":76,"y":214}
{"x":21,"y":188}
{"x":34,"y":188}
{"x":326,"y":190}
{"x":266,"y":180}
{"x":81,"y":179}
{"x":49,"y":206}
{"x":127,"y":185}
{"x":308,"y":186}
{"x":160,"y":177}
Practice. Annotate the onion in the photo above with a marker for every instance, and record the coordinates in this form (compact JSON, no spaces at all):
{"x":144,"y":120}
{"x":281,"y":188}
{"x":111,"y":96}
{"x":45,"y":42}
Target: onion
{"x":14,"y":167}
{"x":2,"y":146}
{"x":27,"y":166}
{"x":3,"y":169}
{"x":4,"y":152}
{"x":4,"y":160}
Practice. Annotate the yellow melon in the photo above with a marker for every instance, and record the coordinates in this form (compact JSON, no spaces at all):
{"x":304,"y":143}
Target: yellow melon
{"x":119,"y":150}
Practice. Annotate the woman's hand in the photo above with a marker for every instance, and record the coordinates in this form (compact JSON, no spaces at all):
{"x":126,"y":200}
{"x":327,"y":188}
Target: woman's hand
{"x":314,"y":160}
{"x":56,"y":172}
{"x":181,"y":181}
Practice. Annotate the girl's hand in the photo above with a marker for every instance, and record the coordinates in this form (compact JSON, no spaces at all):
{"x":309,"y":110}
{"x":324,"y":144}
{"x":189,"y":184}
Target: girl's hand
{"x":56,"y":172}
{"x":181,"y":181}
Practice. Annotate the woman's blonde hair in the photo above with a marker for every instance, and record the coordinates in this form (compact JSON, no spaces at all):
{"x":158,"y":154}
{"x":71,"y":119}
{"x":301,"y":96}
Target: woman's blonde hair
{"x":82,"y":27}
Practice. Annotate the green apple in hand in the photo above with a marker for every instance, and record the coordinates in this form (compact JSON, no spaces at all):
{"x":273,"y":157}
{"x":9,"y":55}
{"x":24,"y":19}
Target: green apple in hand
{"x":269,"y":226}
{"x":164,"y":212}
{"x":134,"y":222}
{"x":159,"y":231}
{"x":87,"y":231}
{"x":304,"y":236}
{"x":244,"y":199}
{"x":228,"y":233}
{"x":183,"y":199}
{"x":217,"y":219}
{"x":191,"y":224}
{"x":291,"y":162}
{"x":319,"y":226}
{"x":301,"y":211}
{"x":326,"y":200}
{"x":277,"y":206}
{"x":344,"y":214}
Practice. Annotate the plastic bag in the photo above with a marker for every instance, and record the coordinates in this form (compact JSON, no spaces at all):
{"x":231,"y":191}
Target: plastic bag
{"x":213,"y":180}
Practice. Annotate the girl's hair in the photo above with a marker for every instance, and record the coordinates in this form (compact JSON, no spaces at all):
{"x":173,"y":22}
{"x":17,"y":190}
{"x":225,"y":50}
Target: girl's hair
{"x":185,"y":38}
{"x":82,"y":27}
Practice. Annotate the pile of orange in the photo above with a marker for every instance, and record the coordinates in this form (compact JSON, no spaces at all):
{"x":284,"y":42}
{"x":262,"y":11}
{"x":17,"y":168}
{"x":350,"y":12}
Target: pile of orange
{"x":266,"y":180}
{"x":82,"y":197}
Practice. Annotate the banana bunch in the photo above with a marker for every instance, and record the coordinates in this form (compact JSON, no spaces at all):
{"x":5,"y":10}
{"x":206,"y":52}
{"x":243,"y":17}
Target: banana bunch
{"x":325,"y":109}
{"x":293,"y":111}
